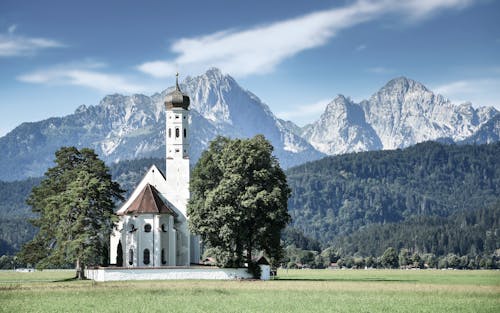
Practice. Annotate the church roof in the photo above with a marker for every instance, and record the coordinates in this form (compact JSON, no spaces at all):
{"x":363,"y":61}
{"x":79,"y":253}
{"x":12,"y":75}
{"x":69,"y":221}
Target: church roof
{"x":148,"y":201}
{"x":177,"y":99}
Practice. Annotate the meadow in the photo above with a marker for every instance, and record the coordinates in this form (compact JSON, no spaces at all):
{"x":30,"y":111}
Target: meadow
{"x":293,"y":291}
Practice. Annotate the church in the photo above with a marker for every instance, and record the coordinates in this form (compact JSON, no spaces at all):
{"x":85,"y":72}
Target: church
{"x":152,"y":230}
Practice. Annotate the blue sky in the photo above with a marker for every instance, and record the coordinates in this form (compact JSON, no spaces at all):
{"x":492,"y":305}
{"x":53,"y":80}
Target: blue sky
{"x":295,"y":55}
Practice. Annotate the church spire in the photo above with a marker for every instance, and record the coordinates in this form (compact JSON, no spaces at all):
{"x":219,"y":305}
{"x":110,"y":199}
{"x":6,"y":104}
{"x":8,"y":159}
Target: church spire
{"x":176,"y":98}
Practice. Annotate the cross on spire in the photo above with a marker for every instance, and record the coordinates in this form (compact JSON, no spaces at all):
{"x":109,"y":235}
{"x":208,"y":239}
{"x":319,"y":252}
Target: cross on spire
{"x":177,"y":81}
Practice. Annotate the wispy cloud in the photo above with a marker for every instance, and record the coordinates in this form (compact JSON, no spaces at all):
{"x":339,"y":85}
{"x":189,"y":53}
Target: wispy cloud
{"x":12,"y":44}
{"x":481,"y":92}
{"x":260,"y":49}
{"x":306,"y":113}
{"x":360,"y":48}
{"x":87,"y":74}
{"x":12,"y":29}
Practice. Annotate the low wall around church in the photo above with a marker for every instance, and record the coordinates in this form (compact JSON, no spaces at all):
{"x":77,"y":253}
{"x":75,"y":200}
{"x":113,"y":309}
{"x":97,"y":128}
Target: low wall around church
{"x":180,"y":273}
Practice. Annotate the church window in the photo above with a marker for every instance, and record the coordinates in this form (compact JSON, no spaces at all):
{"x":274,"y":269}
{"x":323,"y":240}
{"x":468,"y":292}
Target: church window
{"x":177,"y":116}
{"x":132,"y":228}
{"x":147,"y":228}
{"x":130,"y":257}
{"x":177,"y":133}
{"x":176,"y":150}
{"x":164,"y":228}
{"x":163,"y":258}
{"x":169,"y":133}
{"x":185,"y":133}
{"x":146,"y":256}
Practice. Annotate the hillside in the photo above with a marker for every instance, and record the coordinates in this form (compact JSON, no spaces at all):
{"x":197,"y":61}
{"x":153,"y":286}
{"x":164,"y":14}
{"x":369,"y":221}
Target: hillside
{"x":338,"y":196}
{"x":422,"y":197}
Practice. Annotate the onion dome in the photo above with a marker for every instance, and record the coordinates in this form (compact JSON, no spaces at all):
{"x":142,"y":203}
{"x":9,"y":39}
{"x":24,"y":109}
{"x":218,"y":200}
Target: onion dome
{"x":177,"y":99}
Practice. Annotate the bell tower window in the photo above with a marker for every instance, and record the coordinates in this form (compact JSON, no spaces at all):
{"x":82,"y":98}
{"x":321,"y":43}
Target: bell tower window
{"x":146,"y":256}
{"x":169,"y":133}
{"x":185,"y":133}
{"x":177,"y":133}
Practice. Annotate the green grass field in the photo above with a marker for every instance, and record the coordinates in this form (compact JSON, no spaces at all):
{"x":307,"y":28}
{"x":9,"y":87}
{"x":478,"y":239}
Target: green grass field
{"x":294,"y":291}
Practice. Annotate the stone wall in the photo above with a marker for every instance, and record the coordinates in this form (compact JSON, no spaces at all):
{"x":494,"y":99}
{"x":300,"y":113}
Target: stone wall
{"x":115,"y":273}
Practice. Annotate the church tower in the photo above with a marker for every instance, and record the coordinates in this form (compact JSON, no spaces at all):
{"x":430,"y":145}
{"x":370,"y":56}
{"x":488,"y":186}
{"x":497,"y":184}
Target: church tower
{"x":177,"y":167}
{"x":177,"y":146}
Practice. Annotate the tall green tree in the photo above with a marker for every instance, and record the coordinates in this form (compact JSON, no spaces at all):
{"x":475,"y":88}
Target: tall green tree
{"x":74,"y":204}
{"x":390,"y":258}
{"x":238,"y":201}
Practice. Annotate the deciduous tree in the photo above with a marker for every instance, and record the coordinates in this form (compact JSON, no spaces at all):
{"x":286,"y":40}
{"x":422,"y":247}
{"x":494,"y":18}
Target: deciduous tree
{"x":74,"y":206}
{"x":239,"y":199}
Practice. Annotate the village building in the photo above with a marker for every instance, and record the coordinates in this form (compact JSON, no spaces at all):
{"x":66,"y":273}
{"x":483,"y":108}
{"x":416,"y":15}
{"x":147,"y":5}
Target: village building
{"x":152,"y":230}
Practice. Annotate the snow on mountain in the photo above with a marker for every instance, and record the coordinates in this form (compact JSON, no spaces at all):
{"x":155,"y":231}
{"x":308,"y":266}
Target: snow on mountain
{"x":402,"y":113}
{"x":342,"y":128}
{"x":127,"y":127}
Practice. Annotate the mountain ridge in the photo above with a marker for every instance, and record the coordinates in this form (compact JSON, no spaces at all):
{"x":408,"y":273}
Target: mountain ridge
{"x":127,"y":127}
{"x":402,"y":113}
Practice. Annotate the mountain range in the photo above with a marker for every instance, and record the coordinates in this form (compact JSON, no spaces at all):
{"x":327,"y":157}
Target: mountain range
{"x":402,"y":113}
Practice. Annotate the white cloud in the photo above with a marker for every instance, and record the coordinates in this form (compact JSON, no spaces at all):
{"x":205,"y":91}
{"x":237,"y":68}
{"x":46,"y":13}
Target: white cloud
{"x":12,"y":29}
{"x":481,"y":92}
{"x":306,"y":113}
{"x":421,"y":9}
{"x":84,"y":74}
{"x":360,"y":48}
{"x":260,"y":49}
{"x":12,"y":45}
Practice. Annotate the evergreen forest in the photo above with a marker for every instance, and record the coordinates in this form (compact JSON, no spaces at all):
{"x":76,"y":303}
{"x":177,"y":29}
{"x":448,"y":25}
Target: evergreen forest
{"x":429,"y":199}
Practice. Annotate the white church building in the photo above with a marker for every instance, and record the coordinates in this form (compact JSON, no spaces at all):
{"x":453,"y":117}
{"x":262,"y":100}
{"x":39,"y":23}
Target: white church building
{"x":152,"y":240}
{"x":152,"y":230}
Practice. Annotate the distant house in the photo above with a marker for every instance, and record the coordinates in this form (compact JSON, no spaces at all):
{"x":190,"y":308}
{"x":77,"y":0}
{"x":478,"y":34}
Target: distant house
{"x":333,"y":266}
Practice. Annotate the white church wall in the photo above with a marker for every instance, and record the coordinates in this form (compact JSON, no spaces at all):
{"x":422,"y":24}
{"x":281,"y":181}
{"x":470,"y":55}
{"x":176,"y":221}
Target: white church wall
{"x":114,"y":240}
{"x":172,"y":248}
{"x":115,"y":274}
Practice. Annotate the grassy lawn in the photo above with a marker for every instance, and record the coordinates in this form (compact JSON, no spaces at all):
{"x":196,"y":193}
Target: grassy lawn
{"x":294,"y":291}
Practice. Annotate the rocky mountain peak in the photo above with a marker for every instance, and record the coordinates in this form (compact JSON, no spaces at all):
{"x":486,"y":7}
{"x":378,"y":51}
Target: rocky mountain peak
{"x":402,"y":113}
{"x":403,"y":85}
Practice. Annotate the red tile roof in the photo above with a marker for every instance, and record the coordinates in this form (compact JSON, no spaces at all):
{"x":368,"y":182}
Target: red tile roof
{"x":149,"y":201}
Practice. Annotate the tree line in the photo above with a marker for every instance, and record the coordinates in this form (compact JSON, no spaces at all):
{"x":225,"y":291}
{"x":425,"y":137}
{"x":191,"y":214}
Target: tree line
{"x":430,"y":199}
{"x":367,"y":195}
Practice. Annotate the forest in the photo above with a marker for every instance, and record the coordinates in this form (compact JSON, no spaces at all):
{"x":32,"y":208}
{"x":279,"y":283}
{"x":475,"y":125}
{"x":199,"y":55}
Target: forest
{"x":431,"y":198}
{"x":338,"y":196}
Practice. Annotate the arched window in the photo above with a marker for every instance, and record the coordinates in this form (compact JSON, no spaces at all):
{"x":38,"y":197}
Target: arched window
{"x":185,"y":133}
{"x":130,"y":257}
{"x":147,"y":228}
{"x":169,"y":132}
{"x":132,"y":228}
{"x":146,"y":256}
{"x":119,"y":254}
{"x":177,"y":133}
{"x":164,"y":228}
{"x":163,"y":258}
